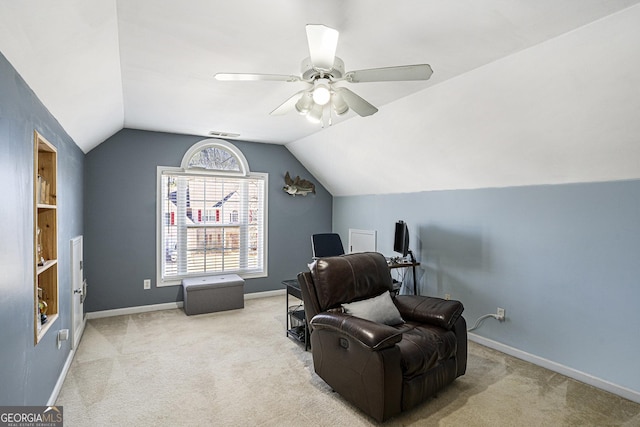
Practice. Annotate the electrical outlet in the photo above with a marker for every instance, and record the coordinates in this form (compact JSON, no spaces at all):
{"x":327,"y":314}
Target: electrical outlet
{"x":63,"y":335}
{"x":501,"y":314}
{"x":147,"y":283}
{"x":447,"y":296}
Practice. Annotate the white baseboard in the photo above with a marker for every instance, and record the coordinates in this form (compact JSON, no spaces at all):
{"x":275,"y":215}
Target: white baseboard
{"x":169,"y":306}
{"x":265,"y":294}
{"x":133,"y":310}
{"x":627,"y":393}
{"x":61,"y":377}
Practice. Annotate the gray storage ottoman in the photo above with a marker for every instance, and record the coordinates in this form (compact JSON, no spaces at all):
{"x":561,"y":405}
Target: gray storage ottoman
{"x":213,"y":293}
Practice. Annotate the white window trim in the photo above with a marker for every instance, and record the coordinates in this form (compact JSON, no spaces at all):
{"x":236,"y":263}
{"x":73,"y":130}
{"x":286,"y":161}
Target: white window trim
{"x":162,"y":282}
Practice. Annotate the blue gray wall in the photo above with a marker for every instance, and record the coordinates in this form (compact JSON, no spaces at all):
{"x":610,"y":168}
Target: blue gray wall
{"x":563,"y":260}
{"x":120,"y":216}
{"x":28,"y":373}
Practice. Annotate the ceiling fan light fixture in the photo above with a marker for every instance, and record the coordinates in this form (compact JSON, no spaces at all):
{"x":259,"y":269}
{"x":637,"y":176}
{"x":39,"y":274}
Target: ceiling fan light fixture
{"x":316,"y":113}
{"x":321,"y":93}
{"x":338,"y":104}
{"x":323,"y":73}
{"x":304,"y":104}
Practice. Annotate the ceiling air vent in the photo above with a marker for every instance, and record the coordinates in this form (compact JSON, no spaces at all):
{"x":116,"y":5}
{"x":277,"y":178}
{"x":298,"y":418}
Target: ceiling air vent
{"x":224,"y":134}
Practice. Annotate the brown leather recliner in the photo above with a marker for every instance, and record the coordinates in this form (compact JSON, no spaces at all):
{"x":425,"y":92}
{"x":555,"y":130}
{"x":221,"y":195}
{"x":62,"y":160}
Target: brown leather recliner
{"x":381,"y":369}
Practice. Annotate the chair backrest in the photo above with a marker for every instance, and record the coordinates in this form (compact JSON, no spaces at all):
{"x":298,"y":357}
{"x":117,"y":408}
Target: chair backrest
{"x":332,"y":281}
{"x":326,"y":244}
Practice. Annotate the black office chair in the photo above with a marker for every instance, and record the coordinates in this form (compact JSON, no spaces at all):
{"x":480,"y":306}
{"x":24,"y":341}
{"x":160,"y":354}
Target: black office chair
{"x":326,"y":244}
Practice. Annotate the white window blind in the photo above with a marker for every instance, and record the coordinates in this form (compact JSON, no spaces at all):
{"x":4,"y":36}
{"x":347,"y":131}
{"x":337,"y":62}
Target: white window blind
{"x":211,"y":224}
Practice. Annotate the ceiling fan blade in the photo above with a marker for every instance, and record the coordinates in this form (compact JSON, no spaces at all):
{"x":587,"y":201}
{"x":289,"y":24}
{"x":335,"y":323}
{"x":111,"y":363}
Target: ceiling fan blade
{"x":323,"y":42}
{"x":356,"y":103}
{"x":288,"y":105}
{"x":237,"y":77}
{"x":390,"y":74}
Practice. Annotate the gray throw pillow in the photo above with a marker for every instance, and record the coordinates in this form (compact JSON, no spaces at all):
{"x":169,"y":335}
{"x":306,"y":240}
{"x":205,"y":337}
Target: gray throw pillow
{"x":378,"y":309}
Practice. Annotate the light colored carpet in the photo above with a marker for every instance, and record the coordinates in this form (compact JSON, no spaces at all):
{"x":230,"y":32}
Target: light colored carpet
{"x":237,"y":368}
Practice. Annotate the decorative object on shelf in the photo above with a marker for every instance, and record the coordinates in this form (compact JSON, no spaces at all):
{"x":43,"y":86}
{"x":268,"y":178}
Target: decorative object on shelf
{"x":39,"y":249}
{"x":43,"y":312}
{"x":297,"y":186}
{"x":43,"y":191}
{"x":39,"y":189}
{"x":42,"y":307}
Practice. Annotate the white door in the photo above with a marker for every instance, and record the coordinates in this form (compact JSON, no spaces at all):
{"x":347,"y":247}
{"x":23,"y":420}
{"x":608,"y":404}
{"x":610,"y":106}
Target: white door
{"x":78,"y":290}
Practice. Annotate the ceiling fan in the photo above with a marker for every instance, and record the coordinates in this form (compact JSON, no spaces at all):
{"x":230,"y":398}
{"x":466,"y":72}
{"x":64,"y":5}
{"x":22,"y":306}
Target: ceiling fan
{"x":324,"y":72}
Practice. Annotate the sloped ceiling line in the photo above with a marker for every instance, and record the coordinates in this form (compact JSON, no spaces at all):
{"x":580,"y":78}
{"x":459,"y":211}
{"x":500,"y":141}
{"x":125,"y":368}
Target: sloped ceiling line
{"x":100,"y":65}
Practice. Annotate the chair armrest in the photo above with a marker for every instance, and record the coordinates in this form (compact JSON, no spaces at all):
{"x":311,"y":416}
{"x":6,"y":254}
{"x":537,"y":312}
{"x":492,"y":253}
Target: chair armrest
{"x":374,"y":336}
{"x":435,"y":311}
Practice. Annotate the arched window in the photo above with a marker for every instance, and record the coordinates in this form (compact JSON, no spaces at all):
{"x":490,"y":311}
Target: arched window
{"x":211,"y":215}
{"x":215,"y":155}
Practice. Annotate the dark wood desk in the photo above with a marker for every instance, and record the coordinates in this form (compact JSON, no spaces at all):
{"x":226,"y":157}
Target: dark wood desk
{"x":413,"y":265}
{"x":293,"y":288}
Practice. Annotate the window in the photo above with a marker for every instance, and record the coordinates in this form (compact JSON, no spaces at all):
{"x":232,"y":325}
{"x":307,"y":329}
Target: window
{"x":211,"y":215}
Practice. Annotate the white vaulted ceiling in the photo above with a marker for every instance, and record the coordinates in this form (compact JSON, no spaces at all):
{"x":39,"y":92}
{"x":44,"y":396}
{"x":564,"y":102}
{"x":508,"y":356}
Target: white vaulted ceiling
{"x":514,"y":81}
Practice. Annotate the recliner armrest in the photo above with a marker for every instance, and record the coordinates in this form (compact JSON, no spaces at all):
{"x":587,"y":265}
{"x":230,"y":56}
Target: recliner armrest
{"x":374,"y":336}
{"x":435,"y":311}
